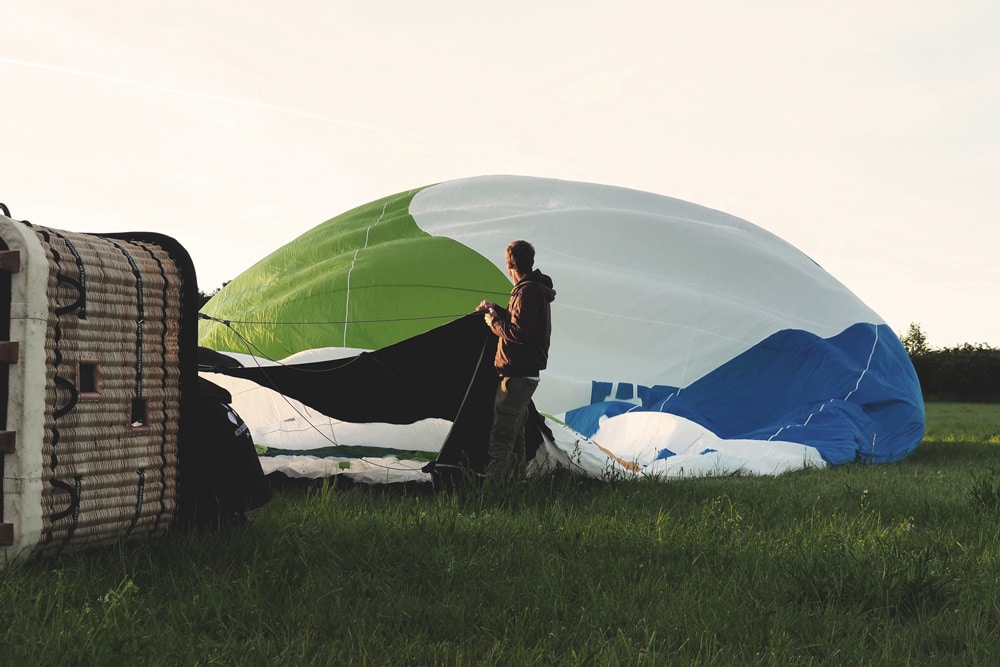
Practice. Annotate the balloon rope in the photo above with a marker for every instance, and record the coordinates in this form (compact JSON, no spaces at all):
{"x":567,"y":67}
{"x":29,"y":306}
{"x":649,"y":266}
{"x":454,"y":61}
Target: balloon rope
{"x":317,"y":322}
{"x":347,"y":296}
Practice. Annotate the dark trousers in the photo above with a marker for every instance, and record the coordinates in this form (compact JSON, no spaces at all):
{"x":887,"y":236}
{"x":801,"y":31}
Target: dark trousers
{"x":510,"y":413}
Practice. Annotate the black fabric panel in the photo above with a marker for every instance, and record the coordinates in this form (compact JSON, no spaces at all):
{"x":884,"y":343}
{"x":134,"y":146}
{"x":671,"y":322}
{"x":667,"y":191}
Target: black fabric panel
{"x":222,"y":474}
{"x":421,"y":377}
{"x":445,"y":373}
{"x":467,"y":444}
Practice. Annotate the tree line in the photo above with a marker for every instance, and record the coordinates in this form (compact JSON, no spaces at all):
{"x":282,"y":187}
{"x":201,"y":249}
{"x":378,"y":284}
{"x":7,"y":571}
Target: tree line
{"x":967,"y":372}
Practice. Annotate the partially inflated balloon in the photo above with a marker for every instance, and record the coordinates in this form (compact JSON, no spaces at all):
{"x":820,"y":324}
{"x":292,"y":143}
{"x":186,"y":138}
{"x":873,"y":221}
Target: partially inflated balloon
{"x":662,"y":306}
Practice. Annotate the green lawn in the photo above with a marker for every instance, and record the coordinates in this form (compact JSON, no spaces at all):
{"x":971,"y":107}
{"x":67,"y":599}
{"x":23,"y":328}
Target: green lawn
{"x":884,"y":564}
{"x":963,"y":422}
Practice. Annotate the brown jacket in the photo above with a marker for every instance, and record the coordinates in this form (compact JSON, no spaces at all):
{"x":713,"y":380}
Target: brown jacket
{"x":525,"y":327}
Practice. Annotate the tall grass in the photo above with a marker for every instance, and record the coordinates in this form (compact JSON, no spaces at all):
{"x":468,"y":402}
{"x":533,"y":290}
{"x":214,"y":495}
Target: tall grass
{"x":888,"y":564}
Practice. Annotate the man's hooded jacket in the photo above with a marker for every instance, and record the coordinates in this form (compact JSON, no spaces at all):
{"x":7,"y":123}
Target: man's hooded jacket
{"x":525,"y":327}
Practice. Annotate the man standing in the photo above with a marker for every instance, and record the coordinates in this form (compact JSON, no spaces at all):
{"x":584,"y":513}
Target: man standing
{"x":523,"y":330}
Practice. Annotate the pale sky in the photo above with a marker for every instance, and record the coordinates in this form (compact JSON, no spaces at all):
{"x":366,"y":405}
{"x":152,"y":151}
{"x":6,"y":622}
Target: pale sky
{"x":864,"y":132}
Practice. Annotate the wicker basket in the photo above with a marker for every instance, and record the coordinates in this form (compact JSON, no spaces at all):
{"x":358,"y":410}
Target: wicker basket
{"x":96,"y":330}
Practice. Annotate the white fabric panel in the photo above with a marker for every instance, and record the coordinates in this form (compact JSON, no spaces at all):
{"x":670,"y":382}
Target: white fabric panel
{"x":369,"y":470}
{"x":627,"y":446}
{"x":280,"y":422}
{"x":671,"y":290}
{"x":640,"y":436}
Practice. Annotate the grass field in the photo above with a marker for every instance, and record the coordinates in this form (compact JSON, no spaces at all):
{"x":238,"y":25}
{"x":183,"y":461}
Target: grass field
{"x":887,"y":564}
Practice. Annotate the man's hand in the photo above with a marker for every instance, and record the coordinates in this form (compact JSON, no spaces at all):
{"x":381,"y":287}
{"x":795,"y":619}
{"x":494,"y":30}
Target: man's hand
{"x":490,"y":310}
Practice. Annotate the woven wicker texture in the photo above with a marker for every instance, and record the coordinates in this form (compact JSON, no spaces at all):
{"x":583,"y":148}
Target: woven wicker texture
{"x":110,"y":453}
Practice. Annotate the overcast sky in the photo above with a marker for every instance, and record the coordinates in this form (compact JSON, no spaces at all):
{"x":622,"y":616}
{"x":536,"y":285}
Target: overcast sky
{"x":866,"y":133}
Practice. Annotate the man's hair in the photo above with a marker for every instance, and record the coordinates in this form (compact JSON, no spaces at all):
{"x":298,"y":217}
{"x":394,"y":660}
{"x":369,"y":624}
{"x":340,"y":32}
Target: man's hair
{"x":522,"y":255}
